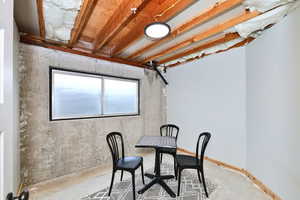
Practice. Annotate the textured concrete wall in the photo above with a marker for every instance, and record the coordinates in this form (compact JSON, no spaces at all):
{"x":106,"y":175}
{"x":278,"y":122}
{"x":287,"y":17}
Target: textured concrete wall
{"x":52,"y":149}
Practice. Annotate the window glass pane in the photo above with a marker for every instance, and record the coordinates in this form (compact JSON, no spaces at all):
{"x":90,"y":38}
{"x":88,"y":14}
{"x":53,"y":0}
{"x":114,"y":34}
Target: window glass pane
{"x":120,"y":97}
{"x":76,"y":95}
{"x":1,"y":63}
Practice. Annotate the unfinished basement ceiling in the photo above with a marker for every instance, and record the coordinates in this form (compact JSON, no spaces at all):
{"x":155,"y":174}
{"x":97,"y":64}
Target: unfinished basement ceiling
{"x":115,"y":29}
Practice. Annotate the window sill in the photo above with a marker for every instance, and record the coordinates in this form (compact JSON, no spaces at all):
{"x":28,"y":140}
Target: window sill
{"x":96,"y":117}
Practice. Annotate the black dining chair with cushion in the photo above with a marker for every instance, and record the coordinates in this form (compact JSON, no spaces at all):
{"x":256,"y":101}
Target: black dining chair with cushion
{"x":172,"y":131}
{"x":122,"y":163}
{"x":194,"y":162}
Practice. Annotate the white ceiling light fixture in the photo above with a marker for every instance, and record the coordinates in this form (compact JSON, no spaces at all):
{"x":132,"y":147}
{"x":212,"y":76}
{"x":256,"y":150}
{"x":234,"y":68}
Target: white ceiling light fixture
{"x":157,"y":30}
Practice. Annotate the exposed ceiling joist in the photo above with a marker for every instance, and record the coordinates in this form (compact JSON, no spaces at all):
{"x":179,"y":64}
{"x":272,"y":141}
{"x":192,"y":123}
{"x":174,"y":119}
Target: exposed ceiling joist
{"x":203,"y":17}
{"x":81,"y":20}
{"x":34,"y":40}
{"x":41,"y":19}
{"x":206,"y":34}
{"x":114,"y":28}
{"x":226,"y":38}
{"x":154,"y":11}
{"x":240,"y":44}
{"x":121,"y":17}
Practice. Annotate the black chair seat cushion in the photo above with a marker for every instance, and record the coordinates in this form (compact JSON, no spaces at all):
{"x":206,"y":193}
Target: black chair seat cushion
{"x":186,"y":161}
{"x":132,"y":162}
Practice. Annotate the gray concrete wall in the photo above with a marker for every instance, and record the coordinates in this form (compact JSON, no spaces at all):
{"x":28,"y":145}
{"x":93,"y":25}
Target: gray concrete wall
{"x":52,"y":149}
{"x":16,"y":109}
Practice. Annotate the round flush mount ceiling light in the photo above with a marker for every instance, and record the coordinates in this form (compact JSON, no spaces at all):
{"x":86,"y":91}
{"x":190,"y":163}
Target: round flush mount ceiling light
{"x":157,"y":30}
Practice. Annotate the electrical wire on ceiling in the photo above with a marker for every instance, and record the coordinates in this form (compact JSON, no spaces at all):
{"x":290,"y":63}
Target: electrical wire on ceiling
{"x":166,"y":10}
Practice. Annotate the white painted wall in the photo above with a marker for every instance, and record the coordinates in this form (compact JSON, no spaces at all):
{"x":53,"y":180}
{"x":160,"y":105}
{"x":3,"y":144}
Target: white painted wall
{"x":9,"y":173}
{"x":209,"y":95}
{"x":273,"y":108}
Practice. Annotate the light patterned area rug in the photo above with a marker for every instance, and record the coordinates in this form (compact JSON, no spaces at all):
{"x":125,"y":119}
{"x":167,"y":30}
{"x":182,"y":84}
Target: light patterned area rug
{"x":191,"y":189}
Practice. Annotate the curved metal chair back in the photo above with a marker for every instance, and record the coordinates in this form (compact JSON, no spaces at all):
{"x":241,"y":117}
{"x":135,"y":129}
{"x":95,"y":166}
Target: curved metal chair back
{"x":169,"y":130}
{"x":23,"y":196}
{"x":116,"y":146}
{"x":204,"y":137}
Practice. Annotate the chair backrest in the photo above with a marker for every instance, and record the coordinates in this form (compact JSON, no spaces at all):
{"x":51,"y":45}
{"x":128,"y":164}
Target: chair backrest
{"x":116,"y":146}
{"x":169,"y":130}
{"x":23,"y":196}
{"x":204,"y":137}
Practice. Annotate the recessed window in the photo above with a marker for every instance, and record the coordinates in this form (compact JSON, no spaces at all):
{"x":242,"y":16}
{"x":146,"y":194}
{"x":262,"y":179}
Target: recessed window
{"x":76,"y":95}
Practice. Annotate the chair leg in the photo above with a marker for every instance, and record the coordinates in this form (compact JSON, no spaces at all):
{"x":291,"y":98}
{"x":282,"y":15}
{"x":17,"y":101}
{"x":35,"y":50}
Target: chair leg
{"x":142,"y":169}
{"x":133,"y":185}
{"x":112,"y":182}
{"x":175,"y":173}
{"x":121,"y":176}
{"x":198,"y":171}
{"x":179,"y":181}
{"x":204,"y":184}
{"x":154,"y":165}
{"x":176,"y":169}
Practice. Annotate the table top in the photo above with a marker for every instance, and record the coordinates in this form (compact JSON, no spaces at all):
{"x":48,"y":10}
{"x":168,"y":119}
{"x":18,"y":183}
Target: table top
{"x":157,"y":142}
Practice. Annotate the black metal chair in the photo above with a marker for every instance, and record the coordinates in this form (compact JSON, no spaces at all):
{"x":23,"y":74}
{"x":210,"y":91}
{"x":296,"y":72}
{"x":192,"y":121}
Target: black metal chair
{"x":23,"y":196}
{"x":172,"y":131}
{"x":120,"y":162}
{"x":193,"y":162}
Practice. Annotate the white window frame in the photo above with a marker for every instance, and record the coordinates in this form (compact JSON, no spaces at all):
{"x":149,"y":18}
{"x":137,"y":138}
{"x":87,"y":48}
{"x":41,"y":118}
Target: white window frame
{"x":2,"y":30}
{"x":53,"y":70}
{"x":2,"y":34}
{"x":1,"y":163}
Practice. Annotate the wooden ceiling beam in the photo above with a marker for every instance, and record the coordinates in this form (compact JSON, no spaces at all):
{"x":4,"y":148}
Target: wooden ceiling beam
{"x":225,"y":38}
{"x":38,"y":41}
{"x":206,"y":34}
{"x":81,"y":20}
{"x":203,"y":17}
{"x":120,"y":18}
{"x":41,"y":19}
{"x":157,"y":11}
{"x":240,"y":44}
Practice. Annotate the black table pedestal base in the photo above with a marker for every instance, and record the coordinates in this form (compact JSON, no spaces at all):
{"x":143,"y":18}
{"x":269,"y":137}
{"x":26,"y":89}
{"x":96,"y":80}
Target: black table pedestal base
{"x":157,"y":178}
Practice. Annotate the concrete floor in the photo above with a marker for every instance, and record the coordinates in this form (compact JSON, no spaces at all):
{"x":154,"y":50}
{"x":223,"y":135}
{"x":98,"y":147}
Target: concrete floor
{"x":231,"y":185}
